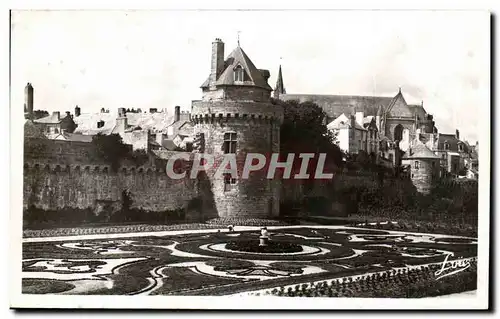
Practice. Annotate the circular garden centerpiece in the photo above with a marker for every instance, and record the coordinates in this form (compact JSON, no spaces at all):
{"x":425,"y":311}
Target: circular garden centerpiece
{"x":272,"y":247}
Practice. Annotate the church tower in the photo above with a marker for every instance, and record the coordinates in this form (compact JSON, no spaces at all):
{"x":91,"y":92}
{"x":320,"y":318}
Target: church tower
{"x":280,"y":87}
{"x":235,"y":116}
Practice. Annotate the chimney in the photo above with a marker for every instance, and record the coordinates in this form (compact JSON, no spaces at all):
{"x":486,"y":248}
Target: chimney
{"x":121,"y":120}
{"x":153,"y":110}
{"x":103,"y":110}
{"x":57,"y":115}
{"x":77,"y":111}
{"x":265,"y":74}
{"x":353,"y":121}
{"x":28,"y":98}
{"x":68,"y":114}
{"x":217,"y":60}
{"x":457,"y":134}
{"x":177,"y":115}
{"x":359,"y":118}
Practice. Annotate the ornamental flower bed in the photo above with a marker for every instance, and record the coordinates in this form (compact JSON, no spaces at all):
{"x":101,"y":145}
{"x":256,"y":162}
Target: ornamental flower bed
{"x":401,"y":283}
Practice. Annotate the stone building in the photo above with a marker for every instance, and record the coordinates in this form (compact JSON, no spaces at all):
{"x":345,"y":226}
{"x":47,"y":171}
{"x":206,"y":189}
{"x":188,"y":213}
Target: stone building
{"x":155,"y":129}
{"x":396,"y":121}
{"x":235,"y":116}
{"x":55,"y":124}
{"x":424,"y":166}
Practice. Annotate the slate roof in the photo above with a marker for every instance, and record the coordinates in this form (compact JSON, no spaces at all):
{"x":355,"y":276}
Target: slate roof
{"x":421,"y":151}
{"x":334,"y":105}
{"x":169,"y":145}
{"x":51,"y":119}
{"x":452,"y":140}
{"x":87,"y":122}
{"x":253,"y":76}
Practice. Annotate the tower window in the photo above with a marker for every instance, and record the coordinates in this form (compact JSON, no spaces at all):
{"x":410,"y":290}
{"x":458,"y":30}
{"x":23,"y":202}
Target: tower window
{"x":228,"y":182}
{"x":417,"y":165}
{"x":239,"y":74}
{"x":229,"y":143}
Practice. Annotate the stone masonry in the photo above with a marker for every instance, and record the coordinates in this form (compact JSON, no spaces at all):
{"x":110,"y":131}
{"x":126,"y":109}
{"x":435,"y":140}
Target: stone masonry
{"x":239,"y":104}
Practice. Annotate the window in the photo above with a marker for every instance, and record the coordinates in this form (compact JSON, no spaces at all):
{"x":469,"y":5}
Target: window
{"x":446,"y":146}
{"x":239,"y":74}
{"x":229,"y":143}
{"x":228,"y":182}
{"x":417,"y":165}
{"x":460,"y":147}
{"x":100,"y":124}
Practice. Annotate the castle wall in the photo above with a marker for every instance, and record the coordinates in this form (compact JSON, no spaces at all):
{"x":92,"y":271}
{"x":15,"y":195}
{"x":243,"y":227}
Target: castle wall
{"x":56,"y":187}
{"x":62,"y":174}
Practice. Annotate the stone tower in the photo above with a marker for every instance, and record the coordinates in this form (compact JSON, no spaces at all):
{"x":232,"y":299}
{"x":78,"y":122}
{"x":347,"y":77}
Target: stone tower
{"x":235,"y":116}
{"x":424,"y":167}
{"x":28,"y":100}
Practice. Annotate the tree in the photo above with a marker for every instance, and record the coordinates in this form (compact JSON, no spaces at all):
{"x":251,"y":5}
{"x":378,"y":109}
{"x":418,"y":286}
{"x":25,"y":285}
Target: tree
{"x":110,"y":148}
{"x":304,"y":131}
{"x":37,"y":114}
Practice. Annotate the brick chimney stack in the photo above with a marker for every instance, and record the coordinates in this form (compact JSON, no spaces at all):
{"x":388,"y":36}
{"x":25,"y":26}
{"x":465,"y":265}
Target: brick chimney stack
{"x":77,"y":111}
{"x":177,"y":114}
{"x":217,"y":60}
{"x":121,"y":120}
{"x":28,"y":99}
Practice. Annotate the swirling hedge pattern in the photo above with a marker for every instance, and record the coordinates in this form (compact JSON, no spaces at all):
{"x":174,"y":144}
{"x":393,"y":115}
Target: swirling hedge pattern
{"x":217,"y":263}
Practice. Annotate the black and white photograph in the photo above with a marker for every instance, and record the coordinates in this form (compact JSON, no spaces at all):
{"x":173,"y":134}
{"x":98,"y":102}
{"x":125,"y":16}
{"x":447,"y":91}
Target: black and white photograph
{"x":285,"y":159}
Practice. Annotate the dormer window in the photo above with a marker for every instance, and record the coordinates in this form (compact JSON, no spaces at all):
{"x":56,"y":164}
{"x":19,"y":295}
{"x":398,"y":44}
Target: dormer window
{"x":460,"y":147}
{"x":446,"y":146}
{"x":239,"y":74}
{"x":100,"y":124}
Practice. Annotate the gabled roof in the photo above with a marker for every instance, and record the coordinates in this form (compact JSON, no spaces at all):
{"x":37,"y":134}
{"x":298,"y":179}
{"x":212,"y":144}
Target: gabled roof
{"x":253,"y":76}
{"x":452,"y":141}
{"x":394,"y":100}
{"x":420,"y":151}
{"x":343,"y":121}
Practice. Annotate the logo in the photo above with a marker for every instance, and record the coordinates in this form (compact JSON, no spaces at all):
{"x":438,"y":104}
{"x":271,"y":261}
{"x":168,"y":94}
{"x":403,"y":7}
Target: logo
{"x":451,"y":267}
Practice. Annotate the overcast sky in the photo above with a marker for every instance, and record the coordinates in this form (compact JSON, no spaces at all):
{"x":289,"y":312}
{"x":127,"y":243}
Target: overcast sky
{"x":159,"y":59}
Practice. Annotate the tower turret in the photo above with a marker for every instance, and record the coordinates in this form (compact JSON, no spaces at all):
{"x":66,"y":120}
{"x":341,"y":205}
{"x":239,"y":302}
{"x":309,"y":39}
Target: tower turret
{"x":236,"y":117}
{"x":28,"y":99}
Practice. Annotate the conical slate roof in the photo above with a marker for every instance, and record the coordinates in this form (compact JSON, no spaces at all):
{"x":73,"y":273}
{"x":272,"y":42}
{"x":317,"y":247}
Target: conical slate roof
{"x":421,"y":151}
{"x":253,"y":77}
{"x":280,"y":87}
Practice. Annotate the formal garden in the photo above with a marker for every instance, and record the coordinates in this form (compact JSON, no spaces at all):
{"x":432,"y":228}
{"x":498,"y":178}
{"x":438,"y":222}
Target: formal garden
{"x":334,"y":261}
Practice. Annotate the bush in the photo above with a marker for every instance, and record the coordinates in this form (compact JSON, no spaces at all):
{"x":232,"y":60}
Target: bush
{"x":252,"y":246}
